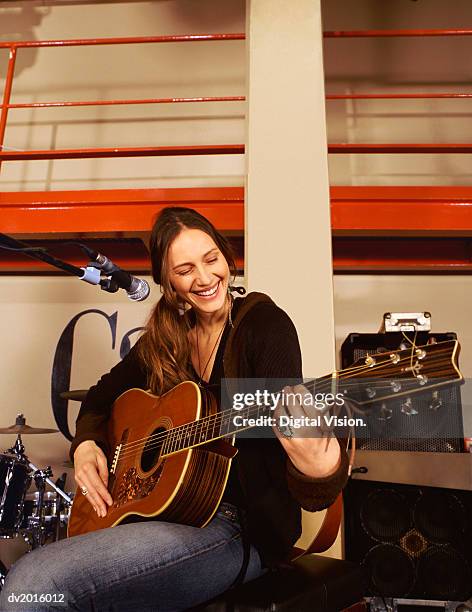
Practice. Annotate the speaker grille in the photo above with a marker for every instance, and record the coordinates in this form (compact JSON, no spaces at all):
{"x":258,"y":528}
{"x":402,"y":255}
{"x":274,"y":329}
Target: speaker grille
{"x":444,"y":573}
{"x":414,"y":541}
{"x":385,"y":516}
{"x":440,"y":516}
{"x":390,"y":569}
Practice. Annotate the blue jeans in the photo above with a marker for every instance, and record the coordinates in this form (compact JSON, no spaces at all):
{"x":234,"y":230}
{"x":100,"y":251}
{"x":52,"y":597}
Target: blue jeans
{"x":142,"y":566}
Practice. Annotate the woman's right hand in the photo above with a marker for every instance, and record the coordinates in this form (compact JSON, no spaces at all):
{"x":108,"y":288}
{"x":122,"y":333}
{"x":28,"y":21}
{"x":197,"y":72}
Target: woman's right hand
{"x":91,"y":473}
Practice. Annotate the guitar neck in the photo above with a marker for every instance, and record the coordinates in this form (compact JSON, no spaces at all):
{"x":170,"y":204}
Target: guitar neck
{"x":369,"y":381}
{"x":225,"y":423}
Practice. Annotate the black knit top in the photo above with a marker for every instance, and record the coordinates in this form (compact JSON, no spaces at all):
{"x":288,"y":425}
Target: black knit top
{"x":262,"y":480}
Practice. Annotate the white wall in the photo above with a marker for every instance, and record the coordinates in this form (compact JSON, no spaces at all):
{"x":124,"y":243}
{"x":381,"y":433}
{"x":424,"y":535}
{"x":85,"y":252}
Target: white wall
{"x":33,"y":313}
{"x":119,"y":72}
{"x":398,"y":65}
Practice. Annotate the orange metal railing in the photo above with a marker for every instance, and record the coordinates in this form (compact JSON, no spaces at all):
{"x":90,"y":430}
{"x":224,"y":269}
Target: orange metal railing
{"x":358,"y":213}
{"x":334,"y":148}
{"x":15,"y":46}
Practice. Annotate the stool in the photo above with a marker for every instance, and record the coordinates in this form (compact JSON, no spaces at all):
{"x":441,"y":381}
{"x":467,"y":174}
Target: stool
{"x":312,"y":583}
{"x":309,"y":582}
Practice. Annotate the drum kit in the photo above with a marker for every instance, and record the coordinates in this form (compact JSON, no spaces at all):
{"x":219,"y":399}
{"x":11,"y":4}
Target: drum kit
{"x":39,"y":517}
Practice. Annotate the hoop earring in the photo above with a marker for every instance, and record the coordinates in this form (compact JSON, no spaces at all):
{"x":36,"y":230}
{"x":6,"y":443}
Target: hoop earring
{"x":237,"y":288}
{"x":231,"y":301}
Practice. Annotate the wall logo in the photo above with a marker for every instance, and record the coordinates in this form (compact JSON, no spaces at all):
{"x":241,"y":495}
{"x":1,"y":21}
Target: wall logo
{"x":62,"y":364}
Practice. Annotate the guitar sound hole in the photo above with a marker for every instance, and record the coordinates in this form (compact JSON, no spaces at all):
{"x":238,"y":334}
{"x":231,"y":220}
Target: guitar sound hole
{"x":152,"y":449}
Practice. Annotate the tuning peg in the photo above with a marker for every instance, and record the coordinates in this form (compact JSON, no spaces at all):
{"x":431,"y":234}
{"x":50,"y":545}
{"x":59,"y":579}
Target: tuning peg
{"x":408,"y":408}
{"x":436,"y":401}
{"x":396,"y":386}
{"x":422,"y":379}
{"x":371,"y":393}
{"x":385,"y":413}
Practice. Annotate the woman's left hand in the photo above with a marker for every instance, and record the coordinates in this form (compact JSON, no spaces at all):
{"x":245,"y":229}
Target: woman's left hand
{"x":313,"y":449}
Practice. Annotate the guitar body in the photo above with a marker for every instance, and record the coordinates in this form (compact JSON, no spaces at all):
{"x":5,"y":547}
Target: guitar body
{"x":170,"y":459}
{"x":181,"y":487}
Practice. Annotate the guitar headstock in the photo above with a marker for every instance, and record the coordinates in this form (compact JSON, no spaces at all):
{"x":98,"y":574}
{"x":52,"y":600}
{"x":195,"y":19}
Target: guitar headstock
{"x":415,"y":369}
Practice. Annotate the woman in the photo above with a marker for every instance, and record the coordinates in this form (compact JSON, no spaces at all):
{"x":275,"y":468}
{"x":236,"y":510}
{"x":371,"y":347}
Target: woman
{"x":196,"y":331}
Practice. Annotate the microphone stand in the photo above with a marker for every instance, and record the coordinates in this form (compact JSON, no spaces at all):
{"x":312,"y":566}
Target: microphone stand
{"x":12,"y":244}
{"x":89,"y":274}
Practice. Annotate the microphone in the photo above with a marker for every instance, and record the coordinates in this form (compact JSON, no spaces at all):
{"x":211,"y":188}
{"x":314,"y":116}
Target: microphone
{"x":136,"y":288}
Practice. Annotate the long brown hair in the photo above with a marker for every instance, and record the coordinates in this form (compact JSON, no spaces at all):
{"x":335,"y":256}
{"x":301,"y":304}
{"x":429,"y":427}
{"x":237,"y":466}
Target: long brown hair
{"x":164,"y":348}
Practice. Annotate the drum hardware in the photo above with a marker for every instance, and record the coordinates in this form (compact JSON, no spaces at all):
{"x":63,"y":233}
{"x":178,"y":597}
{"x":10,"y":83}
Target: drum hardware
{"x":46,"y":513}
{"x":15,"y":478}
{"x":3,"y":574}
{"x":52,"y":508}
{"x":16,"y":474}
{"x":38,"y":530}
{"x":20,"y":427}
{"x":60,"y":484}
{"x":44,"y":475}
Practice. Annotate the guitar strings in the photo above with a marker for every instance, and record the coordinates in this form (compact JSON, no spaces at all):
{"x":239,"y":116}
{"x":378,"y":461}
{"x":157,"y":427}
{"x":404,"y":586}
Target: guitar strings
{"x":171,"y":451}
{"x":354,"y":368}
{"x":327,"y":380}
{"x":200,"y":422}
{"x":169,"y":446}
{"x":189,"y":429}
{"x":192,"y":427}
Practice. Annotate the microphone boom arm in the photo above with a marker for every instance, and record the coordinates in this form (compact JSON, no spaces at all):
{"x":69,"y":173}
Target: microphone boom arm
{"x":115,"y":278}
{"x":11,"y":244}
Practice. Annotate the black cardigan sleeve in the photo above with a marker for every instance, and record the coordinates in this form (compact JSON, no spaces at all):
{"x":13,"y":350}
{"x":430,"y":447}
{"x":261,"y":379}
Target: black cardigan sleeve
{"x":96,"y":408}
{"x":274,"y":352}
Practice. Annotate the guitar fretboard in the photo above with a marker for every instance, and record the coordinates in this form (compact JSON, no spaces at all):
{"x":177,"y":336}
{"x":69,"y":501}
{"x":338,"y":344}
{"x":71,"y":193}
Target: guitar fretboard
{"x":383,"y":376}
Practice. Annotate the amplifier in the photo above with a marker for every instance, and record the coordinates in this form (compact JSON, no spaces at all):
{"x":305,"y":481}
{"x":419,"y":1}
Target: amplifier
{"x":414,"y":541}
{"x":427,"y":425}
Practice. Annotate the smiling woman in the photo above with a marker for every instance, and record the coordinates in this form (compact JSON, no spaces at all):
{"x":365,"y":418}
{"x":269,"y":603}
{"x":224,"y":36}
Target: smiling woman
{"x":195,"y":332}
{"x":199,"y":275}
{"x":190,"y":259}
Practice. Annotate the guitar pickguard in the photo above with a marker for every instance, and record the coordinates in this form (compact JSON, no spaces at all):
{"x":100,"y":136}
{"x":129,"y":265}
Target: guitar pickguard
{"x":132,"y":487}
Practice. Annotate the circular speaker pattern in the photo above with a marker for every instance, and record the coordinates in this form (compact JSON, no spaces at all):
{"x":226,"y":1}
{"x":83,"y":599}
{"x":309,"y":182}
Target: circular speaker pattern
{"x":391,"y":571}
{"x":440,"y":516}
{"x":443,"y":573}
{"x":385,"y":515}
{"x":414,"y":543}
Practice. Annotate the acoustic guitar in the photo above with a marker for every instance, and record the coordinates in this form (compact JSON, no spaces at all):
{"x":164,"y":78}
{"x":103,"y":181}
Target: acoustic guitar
{"x":171,"y":455}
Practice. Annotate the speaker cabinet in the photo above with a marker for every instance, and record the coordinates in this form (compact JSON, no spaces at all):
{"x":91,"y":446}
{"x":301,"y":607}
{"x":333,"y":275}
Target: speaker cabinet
{"x":427,"y":426}
{"x":414,"y":542}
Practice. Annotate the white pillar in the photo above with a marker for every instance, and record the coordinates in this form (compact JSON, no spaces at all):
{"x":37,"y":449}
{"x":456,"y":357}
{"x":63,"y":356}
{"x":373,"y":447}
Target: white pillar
{"x":288,"y":230}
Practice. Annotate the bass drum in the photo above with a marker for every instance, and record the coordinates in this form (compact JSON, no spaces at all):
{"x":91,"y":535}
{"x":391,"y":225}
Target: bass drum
{"x":15,"y":479}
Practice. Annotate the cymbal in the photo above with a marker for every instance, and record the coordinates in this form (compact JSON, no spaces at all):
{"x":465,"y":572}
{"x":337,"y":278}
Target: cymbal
{"x":77,"y":395}
{"x":26,"y":429}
